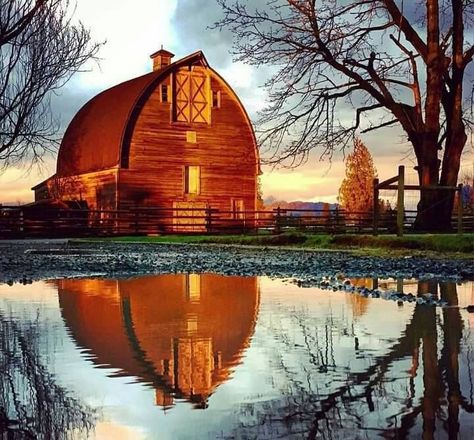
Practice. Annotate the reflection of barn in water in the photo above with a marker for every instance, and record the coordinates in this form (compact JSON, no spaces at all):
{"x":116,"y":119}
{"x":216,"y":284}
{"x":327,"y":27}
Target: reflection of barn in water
{"x":180,"y":333}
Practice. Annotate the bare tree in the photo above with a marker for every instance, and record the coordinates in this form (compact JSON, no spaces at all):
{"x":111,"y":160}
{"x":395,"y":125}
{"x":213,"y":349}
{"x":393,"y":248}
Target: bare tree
{"x":41,"y":47}
{"x":395,"y":62}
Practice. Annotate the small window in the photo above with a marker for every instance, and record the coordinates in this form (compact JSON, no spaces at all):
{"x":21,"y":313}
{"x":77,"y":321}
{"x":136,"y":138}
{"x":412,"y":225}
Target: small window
{"x":164,"y":93}
{"x":192,"y":179}
{"x":216,"y":99}
{"x":191,"y":137}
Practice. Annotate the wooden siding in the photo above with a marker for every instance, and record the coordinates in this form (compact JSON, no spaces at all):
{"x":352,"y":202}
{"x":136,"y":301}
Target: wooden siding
{"x":159,"y":151}
{"x":98,"y":189}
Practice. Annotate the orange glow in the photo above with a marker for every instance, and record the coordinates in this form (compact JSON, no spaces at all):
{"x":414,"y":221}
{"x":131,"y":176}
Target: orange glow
{"x":181,"y":333}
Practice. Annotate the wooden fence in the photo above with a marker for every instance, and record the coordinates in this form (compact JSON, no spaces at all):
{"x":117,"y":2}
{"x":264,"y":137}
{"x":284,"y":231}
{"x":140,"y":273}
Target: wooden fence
{"x":463,"y":220}
{"x":18,"y":222}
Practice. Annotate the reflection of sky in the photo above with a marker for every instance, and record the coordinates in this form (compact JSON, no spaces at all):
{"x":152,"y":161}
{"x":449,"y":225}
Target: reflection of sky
{"x":128,"y":408}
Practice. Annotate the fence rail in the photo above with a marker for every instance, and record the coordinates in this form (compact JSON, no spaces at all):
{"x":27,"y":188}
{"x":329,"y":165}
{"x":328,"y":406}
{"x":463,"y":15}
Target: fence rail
{"x":18,"y":222}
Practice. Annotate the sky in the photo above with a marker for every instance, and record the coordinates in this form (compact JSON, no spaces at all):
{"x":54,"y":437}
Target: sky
{"x":132,"y":30}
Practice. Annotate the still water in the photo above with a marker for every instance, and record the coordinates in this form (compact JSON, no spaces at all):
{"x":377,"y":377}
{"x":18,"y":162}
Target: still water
{"x":207,"y":356}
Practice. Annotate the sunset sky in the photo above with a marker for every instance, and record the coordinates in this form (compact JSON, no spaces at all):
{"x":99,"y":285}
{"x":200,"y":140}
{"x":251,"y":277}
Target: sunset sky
{"x":134,"y":30}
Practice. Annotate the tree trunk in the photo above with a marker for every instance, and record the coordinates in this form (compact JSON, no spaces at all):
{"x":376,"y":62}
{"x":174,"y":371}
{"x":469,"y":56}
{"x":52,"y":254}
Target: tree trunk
{"x":434,"y":211}
{"x":429,"y":217}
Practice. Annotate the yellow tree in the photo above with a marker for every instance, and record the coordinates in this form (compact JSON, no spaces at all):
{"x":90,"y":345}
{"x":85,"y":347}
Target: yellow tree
{"x":356,"y":193}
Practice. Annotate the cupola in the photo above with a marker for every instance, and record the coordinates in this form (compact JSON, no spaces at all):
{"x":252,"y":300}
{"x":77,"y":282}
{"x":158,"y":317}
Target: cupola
{"x":161,"y":59}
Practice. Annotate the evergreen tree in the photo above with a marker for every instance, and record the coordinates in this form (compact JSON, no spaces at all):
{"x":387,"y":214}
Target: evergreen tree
{"x":356,"y":193}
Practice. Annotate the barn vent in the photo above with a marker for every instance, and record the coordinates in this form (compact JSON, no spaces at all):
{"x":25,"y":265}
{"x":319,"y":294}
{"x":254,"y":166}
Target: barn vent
{"x":161,"y":59}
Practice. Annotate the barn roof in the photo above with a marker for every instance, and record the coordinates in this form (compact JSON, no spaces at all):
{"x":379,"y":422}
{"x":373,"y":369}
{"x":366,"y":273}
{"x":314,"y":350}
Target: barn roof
{"x":98,"y":136}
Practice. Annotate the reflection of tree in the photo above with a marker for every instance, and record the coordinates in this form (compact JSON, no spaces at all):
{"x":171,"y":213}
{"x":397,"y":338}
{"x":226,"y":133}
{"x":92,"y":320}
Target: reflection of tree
{"x":32,"y":404}
{"x":325,"y":398}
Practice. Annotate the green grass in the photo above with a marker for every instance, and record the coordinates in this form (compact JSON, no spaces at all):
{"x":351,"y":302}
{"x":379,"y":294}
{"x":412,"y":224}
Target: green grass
{"x":387,"y":244}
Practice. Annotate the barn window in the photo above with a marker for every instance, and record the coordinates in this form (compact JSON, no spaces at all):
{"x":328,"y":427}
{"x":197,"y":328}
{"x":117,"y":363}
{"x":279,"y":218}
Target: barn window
{"x":164,"y":93}
{"x":191,"y":97}
{"x":191,"y":137}
{"x":192,"y":179}
{"x":216,"y":99}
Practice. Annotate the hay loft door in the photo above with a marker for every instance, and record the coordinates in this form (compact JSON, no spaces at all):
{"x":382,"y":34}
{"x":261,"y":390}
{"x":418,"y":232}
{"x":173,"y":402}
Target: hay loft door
{"x":192,"y":96}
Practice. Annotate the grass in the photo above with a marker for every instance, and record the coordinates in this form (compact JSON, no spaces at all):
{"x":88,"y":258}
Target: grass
{"x":364,"y":244}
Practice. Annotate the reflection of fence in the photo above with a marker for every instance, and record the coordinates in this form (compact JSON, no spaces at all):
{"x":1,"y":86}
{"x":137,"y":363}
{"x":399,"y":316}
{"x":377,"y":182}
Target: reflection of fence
{"x":15,"y":222}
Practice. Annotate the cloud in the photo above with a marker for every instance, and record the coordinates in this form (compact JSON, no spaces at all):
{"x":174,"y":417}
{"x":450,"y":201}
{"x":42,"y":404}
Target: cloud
{"x":191,"y":22}
{"x":133,"y":31}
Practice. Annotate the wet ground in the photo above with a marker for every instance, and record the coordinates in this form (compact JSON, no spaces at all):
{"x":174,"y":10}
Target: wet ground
{"x":24,"y":261}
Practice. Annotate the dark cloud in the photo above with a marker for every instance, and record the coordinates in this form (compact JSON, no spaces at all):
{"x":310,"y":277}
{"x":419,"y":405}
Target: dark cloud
{"x":68,"y":101}
{"x":192,"y":21}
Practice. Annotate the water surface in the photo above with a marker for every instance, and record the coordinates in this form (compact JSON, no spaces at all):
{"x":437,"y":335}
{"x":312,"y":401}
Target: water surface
{"x":208,"y":356}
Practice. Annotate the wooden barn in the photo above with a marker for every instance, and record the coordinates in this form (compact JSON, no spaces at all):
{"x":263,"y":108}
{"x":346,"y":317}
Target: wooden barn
{"x":177,"y":139}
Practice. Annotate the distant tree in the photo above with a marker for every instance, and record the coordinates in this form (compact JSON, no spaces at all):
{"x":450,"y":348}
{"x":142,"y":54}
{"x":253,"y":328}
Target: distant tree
{"x":356,"y":193}
{"x":467,"y":194}
{"x":40,"y":49}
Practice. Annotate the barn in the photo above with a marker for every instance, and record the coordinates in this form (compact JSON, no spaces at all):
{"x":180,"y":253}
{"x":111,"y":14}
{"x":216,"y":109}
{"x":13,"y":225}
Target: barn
{"x":177,"y":139}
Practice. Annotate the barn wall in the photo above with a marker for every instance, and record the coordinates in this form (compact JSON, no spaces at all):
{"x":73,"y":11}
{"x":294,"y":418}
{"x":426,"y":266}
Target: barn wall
{"x":97,"y":189}
{"x":159,"y":150}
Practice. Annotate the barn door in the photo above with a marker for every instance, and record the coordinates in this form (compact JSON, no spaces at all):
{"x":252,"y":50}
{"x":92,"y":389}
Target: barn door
{"x":189,"y":217}
{"x":192,"y":90}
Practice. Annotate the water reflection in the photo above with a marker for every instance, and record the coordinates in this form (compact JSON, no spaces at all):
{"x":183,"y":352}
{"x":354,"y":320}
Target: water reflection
{"x":412,"y":389}
{"x":260,"y":358}
{"x":32,"y":404}
{"x":182,"y":334}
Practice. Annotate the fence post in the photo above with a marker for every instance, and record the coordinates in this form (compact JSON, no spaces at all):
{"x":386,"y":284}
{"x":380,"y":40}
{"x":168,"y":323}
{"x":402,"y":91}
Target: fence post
{"x":208,"y":219}
{"x":460,"y":208}
{"x":401,"y":200}
{"x":278,"y":221}
{"x":22,"y":222}
{"x":376,"y":206}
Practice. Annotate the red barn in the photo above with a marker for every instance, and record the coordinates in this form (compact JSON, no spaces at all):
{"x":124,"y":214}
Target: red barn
{"x":175,"y":138}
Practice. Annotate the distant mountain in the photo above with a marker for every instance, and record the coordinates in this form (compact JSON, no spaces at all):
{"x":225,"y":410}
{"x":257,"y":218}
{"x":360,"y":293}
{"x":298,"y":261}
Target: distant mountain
{"x":271,"y":203}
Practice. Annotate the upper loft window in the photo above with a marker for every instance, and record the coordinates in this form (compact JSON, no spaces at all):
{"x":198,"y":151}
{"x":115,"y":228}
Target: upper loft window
{"x":164,"y":93}
{"x":191,"y":97}
{"x":192,"y":179}
{"x":216,"y":99}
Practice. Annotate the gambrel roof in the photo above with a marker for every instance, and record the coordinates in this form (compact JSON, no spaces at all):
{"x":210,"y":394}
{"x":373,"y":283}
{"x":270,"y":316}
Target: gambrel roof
{"x":99,"y":135}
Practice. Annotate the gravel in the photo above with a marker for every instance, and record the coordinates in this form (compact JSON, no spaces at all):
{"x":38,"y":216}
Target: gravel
{"x":26,"y":261}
